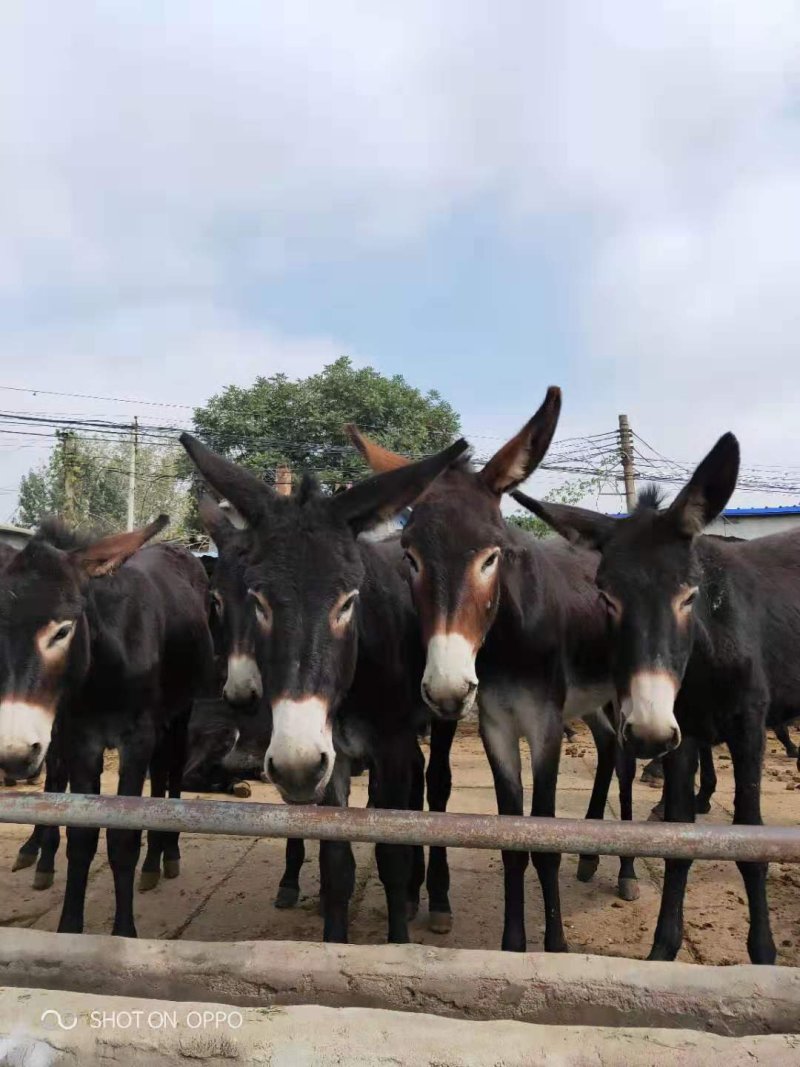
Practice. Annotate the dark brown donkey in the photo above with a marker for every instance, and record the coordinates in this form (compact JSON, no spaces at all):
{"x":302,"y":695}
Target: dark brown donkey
{"x":705,"y":649}
{"x":101,"y":646}
{"x":340,"y":654}
{"x":521,"y":616}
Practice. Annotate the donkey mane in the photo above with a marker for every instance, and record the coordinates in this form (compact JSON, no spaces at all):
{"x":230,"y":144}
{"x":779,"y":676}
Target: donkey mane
{"x":52,"y":531}
{"x":650,"y":499}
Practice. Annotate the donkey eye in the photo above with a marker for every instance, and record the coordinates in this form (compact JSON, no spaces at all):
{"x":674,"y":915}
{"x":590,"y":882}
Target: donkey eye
{"x":61,"y":634}
{"x":490,"y":561}
{"x":611,"y":605}
{"x":347,"y":607}
{"x":690,"y":598}
{"x":413,"y":562}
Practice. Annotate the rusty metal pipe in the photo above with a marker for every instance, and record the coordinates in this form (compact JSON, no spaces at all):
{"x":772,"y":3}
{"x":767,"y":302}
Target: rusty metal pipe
{"x":514,"y":832}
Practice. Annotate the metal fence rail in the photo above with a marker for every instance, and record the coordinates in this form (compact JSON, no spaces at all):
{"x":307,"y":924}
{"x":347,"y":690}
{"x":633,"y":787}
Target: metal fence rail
{"x":519,"y":833}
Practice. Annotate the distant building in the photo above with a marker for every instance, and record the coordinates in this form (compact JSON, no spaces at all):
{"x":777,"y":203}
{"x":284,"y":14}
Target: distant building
{"x":748,"y":523}
{"x":755,"y":522}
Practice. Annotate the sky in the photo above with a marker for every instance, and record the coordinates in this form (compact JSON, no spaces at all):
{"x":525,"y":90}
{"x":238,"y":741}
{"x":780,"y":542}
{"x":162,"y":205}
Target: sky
{"x":486,"y":197}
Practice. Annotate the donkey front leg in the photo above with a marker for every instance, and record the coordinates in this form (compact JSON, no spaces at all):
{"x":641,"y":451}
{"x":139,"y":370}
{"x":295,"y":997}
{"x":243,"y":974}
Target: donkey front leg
{"x":679,"y":770}
{"x":394,"y":770}
{"x":627,"y":882}
{"x":289,"y":885}
{"x":747,"y":755}
{"x":124,"y":845}
{"x":545,"y":755}
{"x":501,"y":744}
{"x":605,"y":742}
{"x":337,"y":868}
{"x":81,"y":841}
{"x":708,"y":780}
{"x":439,"y":782}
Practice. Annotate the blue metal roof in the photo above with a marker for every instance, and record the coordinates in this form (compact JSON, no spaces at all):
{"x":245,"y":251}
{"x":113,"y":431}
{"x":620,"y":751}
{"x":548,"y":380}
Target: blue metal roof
{"x":744,"y":513}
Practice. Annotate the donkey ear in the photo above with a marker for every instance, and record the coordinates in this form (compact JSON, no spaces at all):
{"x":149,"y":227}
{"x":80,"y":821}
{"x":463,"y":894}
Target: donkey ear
{"x":577,"y":525}
{"x":215,"y":522}
{"x":380,"y":459}
{"x":519,"y":457}
{"x":384,"y":495}
{"x":248,"y":494}
{"x":708,"y":490}
{"x":106,"y":555}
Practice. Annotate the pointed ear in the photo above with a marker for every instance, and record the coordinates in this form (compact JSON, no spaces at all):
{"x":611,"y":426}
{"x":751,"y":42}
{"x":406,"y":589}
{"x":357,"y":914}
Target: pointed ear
{"x":215,"y":522}
{"x":106,"y":555}
{"x":577,"y":525}
{"x":248,"y":494}
{"x":380,"y":459}
{"x":519,"y":457}
{"x":384,"y":495}
{"x":708,"y":490}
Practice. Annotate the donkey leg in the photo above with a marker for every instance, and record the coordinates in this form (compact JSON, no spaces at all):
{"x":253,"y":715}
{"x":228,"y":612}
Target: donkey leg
{"x":416,"y":803}
{"x":289,"y":886}
{"x":708,"y":780}
{"x":45,"y":868}
{"x":150,"y":873}
{"x":394,"y":765}
{"x":29,"y":850}
{"x":781,"y":731}
{"x":337,"y":868}
{"x":627,"y":882}
{"x":679,"y":769}
{"x":81,"y":841}
{"x":124,"y":845}
{"x":439,"y":782}
{"x":176,"y":761}
{"x":502,"y":750}
{"x":545,"y":758}
{"x":747,"y":755}
{"x":606,"y":744}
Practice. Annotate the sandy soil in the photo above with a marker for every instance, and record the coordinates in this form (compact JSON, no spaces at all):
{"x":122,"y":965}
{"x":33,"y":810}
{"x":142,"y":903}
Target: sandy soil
{"x":227,"y":885}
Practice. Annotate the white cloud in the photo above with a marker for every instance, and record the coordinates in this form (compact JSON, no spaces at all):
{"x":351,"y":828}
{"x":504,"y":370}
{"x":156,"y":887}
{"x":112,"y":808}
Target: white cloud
{"x":160,"y":155}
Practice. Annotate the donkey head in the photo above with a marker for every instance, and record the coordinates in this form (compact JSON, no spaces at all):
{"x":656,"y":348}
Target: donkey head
{"x":44,"y":634}
{"x":455,"y":541}
{"x":304,"y":580}
{"x":648,"y":578}
{"x":233,"y":608}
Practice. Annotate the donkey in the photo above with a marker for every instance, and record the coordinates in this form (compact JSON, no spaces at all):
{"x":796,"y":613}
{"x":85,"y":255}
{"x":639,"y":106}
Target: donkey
{"x":522,"y":616}
{"x":340,"y":655}
{"x":705,"y":649}
{"x":101,"y":645}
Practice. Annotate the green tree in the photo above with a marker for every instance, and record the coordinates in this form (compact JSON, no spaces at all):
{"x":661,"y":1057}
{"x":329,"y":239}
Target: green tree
{"x":86,"y":483}
{"x":278,"y":421}
{"x":567,"y":493}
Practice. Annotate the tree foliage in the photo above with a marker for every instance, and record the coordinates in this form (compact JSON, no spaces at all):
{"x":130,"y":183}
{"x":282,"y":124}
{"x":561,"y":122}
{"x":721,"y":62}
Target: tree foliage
{"x":278,"y":421}
{"x":85,"y":482}
{"x":567,"y":493}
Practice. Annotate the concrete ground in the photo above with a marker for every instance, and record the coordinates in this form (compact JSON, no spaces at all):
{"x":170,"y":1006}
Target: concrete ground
{"x":227,"y":885}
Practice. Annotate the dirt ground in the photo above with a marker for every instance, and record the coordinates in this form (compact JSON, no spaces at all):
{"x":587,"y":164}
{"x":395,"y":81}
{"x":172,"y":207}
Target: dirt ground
{"x":227,"y":885}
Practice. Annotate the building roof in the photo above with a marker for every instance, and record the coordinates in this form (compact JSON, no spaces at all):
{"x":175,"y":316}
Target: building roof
{"x":743,"y":513}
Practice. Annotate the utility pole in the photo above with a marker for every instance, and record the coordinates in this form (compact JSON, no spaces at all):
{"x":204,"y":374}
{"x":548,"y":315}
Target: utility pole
{"x":132,"y":474}
{"x":283,"y":481}
{"x":68,"y":469}
{"x":626,"y":455}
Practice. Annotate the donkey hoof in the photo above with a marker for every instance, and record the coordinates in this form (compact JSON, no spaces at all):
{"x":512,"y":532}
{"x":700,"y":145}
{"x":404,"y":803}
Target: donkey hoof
{"x":42,"y":879}
{"x":148,"y":880}
{"x":241,"y":789}
{"x":412,"y":907}
{"x":24,"y":859}
{"x":587,"y":866}
{"x":657,"y":814}
{"x":440,"y":922}
{"x":702,"y":806}
{"x":172,"y":868}
{"x":628,"y":888}
{"x":288,"y":896}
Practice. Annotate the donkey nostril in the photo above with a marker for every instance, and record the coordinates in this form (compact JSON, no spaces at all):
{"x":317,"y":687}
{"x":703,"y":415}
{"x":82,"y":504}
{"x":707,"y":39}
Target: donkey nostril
{"x":270,"y":767}
{"x":426,"y":691}
{"x":676,"y":738}
{"x":471,"y":687}
{"x":36,"y":748}
{"x":625,"y":730}
{"x":323,"y":764}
